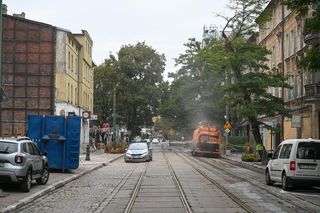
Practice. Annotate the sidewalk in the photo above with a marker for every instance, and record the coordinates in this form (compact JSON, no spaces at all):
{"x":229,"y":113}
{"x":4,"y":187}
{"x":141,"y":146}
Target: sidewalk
{"x":10,"y":201}
{"x":237,"y":158}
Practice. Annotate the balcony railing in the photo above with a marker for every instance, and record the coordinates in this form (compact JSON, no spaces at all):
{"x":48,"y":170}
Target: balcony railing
{"x":312,"y":38}
{"x":312,"y":31}
{"x":312,"y":92}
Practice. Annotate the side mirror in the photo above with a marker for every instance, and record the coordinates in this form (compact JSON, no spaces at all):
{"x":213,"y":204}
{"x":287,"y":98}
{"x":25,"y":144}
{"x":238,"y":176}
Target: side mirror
{"x":45,"y":153}
{"x":125,"y":149}
{"x":150,"y":148}
{"x":270,"y":156}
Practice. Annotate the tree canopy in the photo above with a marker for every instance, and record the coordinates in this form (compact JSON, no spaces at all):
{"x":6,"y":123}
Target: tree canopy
{"x":136,"y":77}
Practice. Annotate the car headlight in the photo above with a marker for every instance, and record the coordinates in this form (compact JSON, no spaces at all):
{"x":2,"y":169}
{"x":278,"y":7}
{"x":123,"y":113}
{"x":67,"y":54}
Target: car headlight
{"x":128,"y":154}
{"x":145,"y":153}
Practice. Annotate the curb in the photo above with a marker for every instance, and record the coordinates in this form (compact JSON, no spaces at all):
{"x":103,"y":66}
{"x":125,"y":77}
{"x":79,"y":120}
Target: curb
{"x":53,"y":187}
{"x":245,"y":163}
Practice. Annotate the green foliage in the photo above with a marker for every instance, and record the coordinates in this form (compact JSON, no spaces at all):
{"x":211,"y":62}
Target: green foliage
{"x":312,"y":25}
{"x":301,"y":6}
{"x":245,"y":65}
{"x":137,"y":77}
{"x":193,"y":93}
{"x":265,"y":16}
{"x":311,"y":60}
{"x":249,"y":158}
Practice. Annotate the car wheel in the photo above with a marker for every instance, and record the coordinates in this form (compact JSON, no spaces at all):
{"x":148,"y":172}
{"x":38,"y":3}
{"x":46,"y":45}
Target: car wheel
{"x":44,"y":178}
{"x":268,"y":179}
{"x":285,"y":182}
{"x":26,"y":184}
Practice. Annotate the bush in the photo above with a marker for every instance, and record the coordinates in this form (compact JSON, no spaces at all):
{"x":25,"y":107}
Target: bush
{"x":119,"y":146}
{"x":249,"y":158}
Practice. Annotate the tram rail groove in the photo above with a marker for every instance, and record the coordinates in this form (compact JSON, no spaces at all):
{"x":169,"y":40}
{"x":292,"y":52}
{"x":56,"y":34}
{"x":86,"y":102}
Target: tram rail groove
{"x":106,"y":202}
{"x":260,"y":185}
{"x":136,"y":190}
{"x":182,"y":194}
{"x":231,"y":195}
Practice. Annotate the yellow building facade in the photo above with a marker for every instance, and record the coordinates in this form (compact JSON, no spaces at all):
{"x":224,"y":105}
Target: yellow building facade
{"x":283,"y":36}
{"x":74,"y":73}
{"x":86,"y":67}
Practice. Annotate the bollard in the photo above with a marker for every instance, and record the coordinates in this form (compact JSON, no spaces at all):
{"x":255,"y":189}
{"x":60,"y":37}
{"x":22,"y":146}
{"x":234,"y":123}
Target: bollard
{"x":88,"y":152}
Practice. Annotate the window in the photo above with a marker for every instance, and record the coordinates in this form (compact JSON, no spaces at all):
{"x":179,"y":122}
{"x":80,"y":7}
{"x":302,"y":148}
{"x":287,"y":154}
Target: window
{"x":32,"y":151}
{"x":8,"y":148}
{"x":71,"y":94}
{"x":276,"y":153}
{"x":36,"y":151}
{"x":71,"y":62}
{"x":285,"y":152}
{"x":24,"y":148}
{"x":69,"y":59}
{"x":68,"y":92}
{"x":308,"y":150}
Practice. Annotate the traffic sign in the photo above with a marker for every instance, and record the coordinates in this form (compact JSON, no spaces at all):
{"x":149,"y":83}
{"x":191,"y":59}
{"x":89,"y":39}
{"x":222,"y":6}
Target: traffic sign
{"x":227,"y":125}
{"x":227,"y":131}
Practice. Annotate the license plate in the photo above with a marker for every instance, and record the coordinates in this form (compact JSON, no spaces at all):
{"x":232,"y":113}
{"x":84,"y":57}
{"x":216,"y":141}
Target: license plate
{"x":1,"y":164}
{"x":312,"y":167}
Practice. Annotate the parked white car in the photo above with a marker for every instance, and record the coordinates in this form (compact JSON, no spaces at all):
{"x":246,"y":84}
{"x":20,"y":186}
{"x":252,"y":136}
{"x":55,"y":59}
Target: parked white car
{"x":295,"y":162}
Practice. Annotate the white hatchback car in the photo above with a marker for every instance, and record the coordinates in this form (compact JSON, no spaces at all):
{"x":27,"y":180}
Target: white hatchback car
{"x":295,"y":162}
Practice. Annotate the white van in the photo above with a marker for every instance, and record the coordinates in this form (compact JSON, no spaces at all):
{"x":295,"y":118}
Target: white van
{"x":295,"y":162}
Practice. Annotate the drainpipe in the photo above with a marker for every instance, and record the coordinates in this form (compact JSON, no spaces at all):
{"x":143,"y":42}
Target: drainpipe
{"x":0,"y":64}
{"x":282,"y":62}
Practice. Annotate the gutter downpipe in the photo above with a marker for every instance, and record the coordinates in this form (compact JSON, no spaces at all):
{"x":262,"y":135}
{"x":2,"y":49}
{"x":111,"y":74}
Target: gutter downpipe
{"x":282,"y":67}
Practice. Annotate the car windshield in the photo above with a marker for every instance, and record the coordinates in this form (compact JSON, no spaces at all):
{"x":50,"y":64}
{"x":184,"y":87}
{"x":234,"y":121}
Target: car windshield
{"x":8,"y":147}
{"x":308,"y":150}
{"x":138,"y":146}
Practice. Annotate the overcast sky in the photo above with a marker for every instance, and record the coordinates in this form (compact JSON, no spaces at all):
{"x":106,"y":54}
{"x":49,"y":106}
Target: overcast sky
{"x":165,"y":25}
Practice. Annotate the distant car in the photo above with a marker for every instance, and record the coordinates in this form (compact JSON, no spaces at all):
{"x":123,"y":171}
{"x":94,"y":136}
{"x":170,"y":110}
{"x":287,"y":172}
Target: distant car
{"x":155,"y":140}
{"x":295,"y":162}
{"x":21,"y":162}
{"x":138,"y":152}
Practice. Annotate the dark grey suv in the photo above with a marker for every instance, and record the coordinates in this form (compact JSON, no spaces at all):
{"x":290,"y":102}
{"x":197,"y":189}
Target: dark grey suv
{"x":22,"y":162}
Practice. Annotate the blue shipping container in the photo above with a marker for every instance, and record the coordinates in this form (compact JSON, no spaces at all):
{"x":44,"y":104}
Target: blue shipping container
{"x":59,"y":136}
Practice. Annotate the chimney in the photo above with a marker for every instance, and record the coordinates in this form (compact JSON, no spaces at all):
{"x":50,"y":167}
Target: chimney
{"x":4,"y":9}
{"x":21,"y":15}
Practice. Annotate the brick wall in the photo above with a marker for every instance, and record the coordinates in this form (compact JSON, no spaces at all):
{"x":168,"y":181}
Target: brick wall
{"x":27,"y":72}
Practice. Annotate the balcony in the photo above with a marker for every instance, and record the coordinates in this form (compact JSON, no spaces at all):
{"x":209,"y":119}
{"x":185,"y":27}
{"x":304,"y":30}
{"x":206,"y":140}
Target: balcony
{"x":312,"y":31}
{"x":312,"y":92}
{"x":312,"y":38}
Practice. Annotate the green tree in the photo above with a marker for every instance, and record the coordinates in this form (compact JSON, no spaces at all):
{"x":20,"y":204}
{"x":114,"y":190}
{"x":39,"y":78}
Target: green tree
{"x":137,"y":76}
{"x":312,"y":24}
{"x":193,"y":94}
{"x":244,"y":62}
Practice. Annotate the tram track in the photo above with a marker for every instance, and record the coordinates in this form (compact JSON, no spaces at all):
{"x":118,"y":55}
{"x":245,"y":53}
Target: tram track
{"x":182,"y":194}
{"x":136,"y":190}
{"x":227,"y":192}
{"x":294,"y":201}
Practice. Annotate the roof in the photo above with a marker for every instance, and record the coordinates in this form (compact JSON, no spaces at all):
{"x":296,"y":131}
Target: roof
{"x":301,"y":140}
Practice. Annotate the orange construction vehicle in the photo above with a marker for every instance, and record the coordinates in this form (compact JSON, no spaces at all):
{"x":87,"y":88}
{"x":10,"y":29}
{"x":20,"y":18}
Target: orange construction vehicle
{"x":206,"y":140}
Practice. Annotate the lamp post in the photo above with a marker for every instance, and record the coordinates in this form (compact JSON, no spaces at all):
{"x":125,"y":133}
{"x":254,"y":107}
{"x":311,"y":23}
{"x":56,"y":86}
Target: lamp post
{"x":114,"y":115}
{"x":227,"y":118}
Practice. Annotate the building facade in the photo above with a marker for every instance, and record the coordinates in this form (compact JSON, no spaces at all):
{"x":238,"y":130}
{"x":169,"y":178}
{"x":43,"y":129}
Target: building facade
{"x":28,"y":70}
{"x":283,"y":36}
{"x":45,"y":71}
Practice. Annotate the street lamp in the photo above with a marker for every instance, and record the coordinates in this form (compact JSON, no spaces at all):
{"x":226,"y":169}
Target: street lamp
{"x":114,"y":115}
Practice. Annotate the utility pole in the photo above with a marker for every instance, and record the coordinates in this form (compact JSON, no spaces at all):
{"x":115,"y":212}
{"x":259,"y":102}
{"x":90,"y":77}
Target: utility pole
{"x":227,"y":151}
{"x":114,"y":114}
